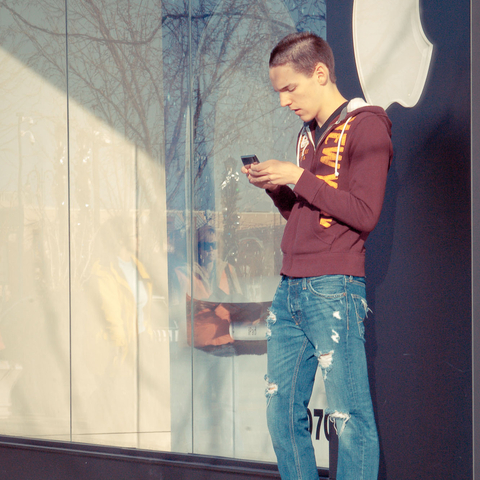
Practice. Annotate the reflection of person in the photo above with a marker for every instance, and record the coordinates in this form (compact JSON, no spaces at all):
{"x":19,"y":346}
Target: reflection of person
{"x":123,"y":284}
{"x":343,"y":155}
{"x":213,"y":280}
{"x":119,"y":364}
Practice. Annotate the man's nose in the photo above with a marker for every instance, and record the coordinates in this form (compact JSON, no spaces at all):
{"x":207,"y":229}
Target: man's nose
{"x":285,"y":100}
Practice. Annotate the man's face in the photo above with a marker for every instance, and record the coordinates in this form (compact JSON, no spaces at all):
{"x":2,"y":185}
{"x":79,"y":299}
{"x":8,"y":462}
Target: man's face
{"x":300,"y":93}
{"x":207,"y":249}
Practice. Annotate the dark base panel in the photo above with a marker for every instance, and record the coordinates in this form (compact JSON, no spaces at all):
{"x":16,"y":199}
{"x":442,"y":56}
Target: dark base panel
{"x":28,"y":459}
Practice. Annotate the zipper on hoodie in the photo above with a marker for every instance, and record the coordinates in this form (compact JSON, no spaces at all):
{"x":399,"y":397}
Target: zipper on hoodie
{"x":307,"y":132}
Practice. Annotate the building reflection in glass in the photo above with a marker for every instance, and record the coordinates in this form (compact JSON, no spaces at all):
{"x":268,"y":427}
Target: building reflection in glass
{"x":124,"y":220}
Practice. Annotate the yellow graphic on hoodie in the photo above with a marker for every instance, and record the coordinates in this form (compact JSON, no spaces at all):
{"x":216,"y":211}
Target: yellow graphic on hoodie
{"x":331,"y":156}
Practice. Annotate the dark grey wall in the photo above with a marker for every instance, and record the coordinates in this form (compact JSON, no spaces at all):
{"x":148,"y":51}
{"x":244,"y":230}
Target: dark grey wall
{"x":476,"y":224}
{"x":419,"y":258}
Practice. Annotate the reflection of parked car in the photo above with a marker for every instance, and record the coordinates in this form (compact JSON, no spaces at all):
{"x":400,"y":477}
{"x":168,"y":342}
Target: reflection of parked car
{"x":215,"y":322}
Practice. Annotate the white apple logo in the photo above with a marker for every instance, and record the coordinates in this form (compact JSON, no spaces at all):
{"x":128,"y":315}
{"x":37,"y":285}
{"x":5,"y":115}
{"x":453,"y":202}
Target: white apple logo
{"x":392,"y":52}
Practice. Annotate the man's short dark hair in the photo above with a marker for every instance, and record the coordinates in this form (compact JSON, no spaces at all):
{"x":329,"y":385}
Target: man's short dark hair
{"x":303,"y":51}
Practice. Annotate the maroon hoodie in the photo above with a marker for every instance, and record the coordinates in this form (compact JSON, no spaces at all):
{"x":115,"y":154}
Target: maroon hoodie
{"x":338,"y":199}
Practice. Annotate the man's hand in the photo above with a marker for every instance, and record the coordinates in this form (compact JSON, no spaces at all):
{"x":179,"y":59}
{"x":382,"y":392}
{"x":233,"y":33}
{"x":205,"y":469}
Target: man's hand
{"x":272,"y":173}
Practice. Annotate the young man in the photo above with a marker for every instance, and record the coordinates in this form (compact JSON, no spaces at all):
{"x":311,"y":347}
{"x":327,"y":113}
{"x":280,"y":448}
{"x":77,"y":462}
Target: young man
{"x":316,"y":321}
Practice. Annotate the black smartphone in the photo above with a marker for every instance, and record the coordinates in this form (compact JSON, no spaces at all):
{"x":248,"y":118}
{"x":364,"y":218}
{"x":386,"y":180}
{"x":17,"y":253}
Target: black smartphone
{"x":248,"y":159}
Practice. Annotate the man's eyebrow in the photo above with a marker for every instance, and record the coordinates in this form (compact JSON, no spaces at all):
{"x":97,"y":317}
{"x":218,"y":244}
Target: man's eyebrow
{"x":287,"y":87}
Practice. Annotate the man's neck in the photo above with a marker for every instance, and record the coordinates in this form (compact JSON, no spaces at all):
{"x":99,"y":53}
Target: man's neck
{"x":333,"y":100}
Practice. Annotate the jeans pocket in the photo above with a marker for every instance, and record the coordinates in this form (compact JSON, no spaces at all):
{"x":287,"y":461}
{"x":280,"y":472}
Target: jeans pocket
{"x":327,"y":287}
{"x":361,"y":312}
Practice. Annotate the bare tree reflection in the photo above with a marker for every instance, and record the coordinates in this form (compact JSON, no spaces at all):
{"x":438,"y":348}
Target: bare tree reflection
{"x":131,"y":91}
{"x":128,"y":62}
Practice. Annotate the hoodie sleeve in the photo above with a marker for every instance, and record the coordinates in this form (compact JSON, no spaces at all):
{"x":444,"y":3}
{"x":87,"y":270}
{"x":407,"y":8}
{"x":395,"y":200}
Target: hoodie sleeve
{"x":284,"y":199}
{"x":359,"y":202}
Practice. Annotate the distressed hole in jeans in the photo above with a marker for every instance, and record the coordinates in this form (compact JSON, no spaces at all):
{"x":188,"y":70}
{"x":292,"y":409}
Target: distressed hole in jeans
{"x":271,"y":319}
{"x":339,"y":421}
{"x":325,"y":361}
{"x":271,"y":388}
{"x":335,"y":336}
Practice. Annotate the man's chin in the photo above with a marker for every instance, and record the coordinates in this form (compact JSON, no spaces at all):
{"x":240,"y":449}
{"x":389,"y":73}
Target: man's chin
{"x":305,"y":117}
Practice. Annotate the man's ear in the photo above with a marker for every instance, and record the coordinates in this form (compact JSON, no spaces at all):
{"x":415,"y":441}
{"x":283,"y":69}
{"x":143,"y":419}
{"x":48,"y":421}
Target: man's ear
{"x":322,"y":74}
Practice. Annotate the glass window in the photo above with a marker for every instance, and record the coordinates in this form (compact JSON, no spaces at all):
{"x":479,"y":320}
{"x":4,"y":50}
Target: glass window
{"x":137,"y":264}
{"x":34,"y":235}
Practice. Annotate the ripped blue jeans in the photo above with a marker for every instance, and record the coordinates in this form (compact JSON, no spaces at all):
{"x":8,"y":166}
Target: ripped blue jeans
{"x":317,"y":323}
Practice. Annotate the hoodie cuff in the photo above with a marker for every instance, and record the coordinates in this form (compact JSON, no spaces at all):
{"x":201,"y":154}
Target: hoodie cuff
{"x":307,"y":186}
{"x":274,"y":193}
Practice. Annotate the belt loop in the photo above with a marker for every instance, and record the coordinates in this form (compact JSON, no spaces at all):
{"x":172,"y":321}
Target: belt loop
{"x":304,"y":283}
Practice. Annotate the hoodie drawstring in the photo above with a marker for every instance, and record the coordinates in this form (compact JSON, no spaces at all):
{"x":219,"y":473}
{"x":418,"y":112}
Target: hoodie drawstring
{"x":306,"y":135}
{"x":302,"y":144}
{"x":339,"y":145}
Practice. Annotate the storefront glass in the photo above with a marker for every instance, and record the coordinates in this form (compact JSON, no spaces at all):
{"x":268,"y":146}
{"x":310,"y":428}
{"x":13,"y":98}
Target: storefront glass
{"x":136,"y":263}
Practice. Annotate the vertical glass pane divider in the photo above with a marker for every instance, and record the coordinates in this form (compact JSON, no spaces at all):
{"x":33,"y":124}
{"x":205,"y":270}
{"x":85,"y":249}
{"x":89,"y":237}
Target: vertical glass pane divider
{"x":189,"y":204}
{"x":234,"y":407}
{"x":21,"y":206}
{"x":69,"y":229}
{"x":137,"y":360}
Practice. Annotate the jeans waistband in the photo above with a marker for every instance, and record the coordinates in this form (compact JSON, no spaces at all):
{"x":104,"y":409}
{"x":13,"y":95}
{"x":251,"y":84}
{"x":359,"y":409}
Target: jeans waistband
{"x":343,"y":279}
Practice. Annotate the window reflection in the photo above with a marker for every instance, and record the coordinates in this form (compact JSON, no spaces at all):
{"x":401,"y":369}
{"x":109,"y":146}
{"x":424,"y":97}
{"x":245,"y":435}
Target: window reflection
{"x":136,"y":265}
{"x":121,"y":345}
{"x":34,"y":372}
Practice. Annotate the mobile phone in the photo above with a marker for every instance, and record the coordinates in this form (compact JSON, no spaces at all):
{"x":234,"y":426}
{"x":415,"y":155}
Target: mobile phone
{"x":248,"y":159}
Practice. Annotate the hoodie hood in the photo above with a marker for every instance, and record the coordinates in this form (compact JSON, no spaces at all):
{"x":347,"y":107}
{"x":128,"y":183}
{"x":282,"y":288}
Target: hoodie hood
{"x":351,"y":110}
{"x":359,"y":105}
